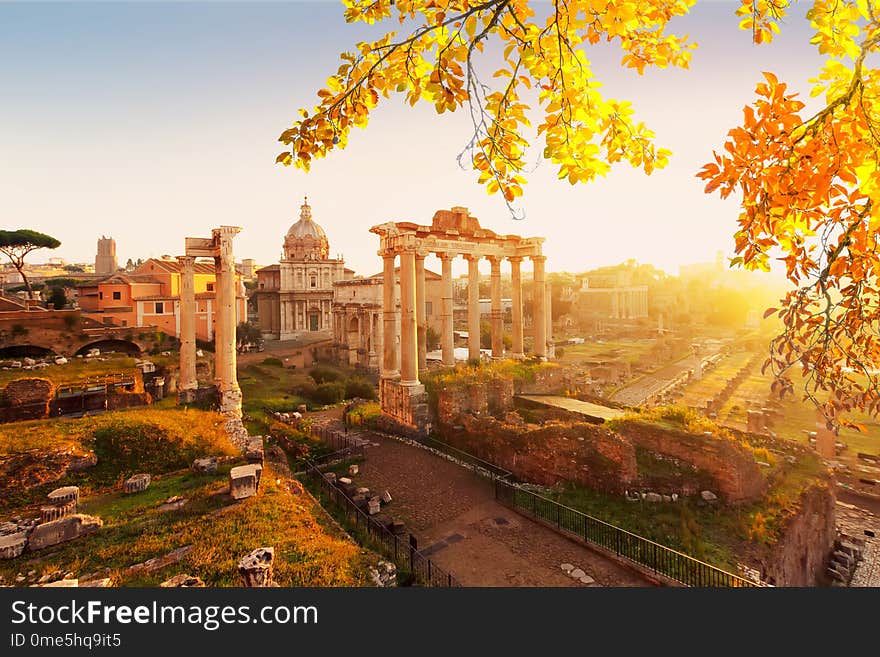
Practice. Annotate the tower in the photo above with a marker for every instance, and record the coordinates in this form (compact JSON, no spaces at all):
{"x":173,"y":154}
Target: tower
{"x":105,"y":261}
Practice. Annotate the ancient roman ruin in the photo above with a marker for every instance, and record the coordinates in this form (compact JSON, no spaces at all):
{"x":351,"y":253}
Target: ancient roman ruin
{"x":218,"y":247}
{"x":452,"y":233}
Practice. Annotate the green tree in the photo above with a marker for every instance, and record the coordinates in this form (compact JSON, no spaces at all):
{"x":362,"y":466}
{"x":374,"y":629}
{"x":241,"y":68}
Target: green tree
{"x":432,"y":339}
{"x":17,"y":244}
{"x":57,"y":298}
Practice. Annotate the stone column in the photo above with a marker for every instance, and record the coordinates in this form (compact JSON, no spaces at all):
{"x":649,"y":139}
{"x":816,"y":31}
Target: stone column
{"x":539,"y":301}
{"x":409,"y":348}
{"x":188,"y":382}
{"x":473,"y":307}
{"x":389,"y":319}
{"x":225,"y":353}
{"x":421,"y":314}
{"x":447,"y":342}
{"x":516,"y":314}
{"x":496,"y":318}
{"x":548,"y":311}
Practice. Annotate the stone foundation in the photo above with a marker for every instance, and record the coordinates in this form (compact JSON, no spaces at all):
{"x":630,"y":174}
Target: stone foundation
{"x":136,"y":483}
{"x":405,"y":404}
{"x":50,"y":513}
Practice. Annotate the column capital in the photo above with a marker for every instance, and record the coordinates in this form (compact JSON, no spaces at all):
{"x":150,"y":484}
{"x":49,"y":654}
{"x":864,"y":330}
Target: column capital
{"x":538,"y":258}
{"x":186,"y":260}
{"x":471,"y":257}
{"x":444,"y":255}
{"x":494,"y":259}
{"x":517,"y":259}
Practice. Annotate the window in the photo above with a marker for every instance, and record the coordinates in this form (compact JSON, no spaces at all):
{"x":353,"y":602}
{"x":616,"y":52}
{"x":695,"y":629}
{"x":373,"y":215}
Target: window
{"x":210,"y":287}
{"x":314,"y":281}
{"x":125,"y":322}
{"x":429,"y":308}
{"x":160,"y":308}
{"x":101,"y":296}
{"x":117,"y":296}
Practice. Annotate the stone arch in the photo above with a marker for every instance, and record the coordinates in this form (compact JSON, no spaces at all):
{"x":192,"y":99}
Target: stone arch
{"x":110,"y":344}
{"x":25,"y":351}
{"x":354,"y":333}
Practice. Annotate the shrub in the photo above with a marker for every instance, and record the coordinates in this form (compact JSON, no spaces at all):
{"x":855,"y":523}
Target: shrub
{"x":18,"y":330}
{"x":359,"y":388}
{"x":273,"y":362}
{"x":325,"y":374}
{"x":331,"y":392}
{"x":432,"y":339}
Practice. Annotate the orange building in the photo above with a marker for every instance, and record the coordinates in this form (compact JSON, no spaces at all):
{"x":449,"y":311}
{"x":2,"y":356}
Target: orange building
{"x":150,"y":297}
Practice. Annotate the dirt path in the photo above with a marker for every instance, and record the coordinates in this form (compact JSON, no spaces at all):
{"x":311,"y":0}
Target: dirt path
{"x":454,"y":515}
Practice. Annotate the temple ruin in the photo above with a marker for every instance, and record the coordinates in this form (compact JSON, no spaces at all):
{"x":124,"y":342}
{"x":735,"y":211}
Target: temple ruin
{"x":218,"y":247}
{"x":452,"y":233}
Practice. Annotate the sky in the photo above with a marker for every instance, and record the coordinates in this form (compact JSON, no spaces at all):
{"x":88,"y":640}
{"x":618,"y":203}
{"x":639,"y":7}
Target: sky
{"x":152,"y":121}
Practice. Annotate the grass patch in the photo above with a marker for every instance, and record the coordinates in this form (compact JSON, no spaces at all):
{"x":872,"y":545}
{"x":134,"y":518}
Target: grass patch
{"x":220,"y":530}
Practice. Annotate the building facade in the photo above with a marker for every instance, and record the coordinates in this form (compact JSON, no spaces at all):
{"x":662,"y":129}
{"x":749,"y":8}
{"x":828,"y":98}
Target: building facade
{"x":150,"y":297}
{"x":294,"y":298}
{"x":357,"y":316}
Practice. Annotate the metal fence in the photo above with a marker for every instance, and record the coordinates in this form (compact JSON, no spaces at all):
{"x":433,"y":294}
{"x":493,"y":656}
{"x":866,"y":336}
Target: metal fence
{"x":397,"y":547}
{"x":478,"y":465}
{"x":335,"y":439}
{"x":632,"y":547}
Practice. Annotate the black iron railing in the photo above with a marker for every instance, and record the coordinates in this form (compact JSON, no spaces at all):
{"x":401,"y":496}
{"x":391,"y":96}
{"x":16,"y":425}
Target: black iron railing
{"x":657,"y":558}
{"x":397,"y":547}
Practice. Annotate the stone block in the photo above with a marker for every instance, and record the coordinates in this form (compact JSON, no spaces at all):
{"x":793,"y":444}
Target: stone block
{"x":373,"y":506}
{"x":243,"y":482}
{"x":207,"y":465}
{"x":330,"y":477}
{"x":353,"y":470}
{"x":183,"y":581}
{"x":63,"y":495}
{"x":398,"y":527}
{"x":64,"y":529}
{"x":254,"y":451}
{"x":708,"y":495}
{"x":344,"y":481}
{"x":256,"y":568}
{"x":12,"y":545}
{"x":136,"y":483}
{"x":363,"y":490}
{"x":653,"y":497}
{"x":100,"y":583}
{"x":386,"y":497}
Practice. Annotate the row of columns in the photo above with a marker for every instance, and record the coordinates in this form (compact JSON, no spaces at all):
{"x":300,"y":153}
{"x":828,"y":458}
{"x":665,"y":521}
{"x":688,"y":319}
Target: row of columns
{"x":629,"y":303}
{"x":410,"y":330}
{"x":225,"y":355}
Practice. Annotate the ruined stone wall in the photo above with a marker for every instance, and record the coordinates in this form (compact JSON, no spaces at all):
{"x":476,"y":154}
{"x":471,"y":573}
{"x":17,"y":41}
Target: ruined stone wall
{"x":799,"y":557}
{"x":25,"y":399}
{"x":551,"y":454}
{"x":731,"y":465}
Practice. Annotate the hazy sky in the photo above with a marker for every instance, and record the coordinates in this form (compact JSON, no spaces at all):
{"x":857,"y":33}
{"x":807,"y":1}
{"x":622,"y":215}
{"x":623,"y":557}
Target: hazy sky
{"x":151,"y":122}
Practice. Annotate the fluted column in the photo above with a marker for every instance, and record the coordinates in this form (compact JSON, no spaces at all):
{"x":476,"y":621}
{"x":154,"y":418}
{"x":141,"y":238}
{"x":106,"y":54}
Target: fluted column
{"x":188,"y":381}
{"x":409,"y":351}
{"x":421,"y":316}
{"x":389,"y":319}
{"x":473,"y":307}
{"x":224,"y":341}
{"x":539,"y":300}
{"x":447,"y":342}
{"x":497,"y":320}
{"x":516,"y":313}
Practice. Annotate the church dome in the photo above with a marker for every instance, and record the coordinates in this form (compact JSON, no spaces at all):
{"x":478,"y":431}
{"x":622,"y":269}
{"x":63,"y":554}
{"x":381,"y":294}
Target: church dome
{"x":306,"y":240}
{"x":305,"y":227}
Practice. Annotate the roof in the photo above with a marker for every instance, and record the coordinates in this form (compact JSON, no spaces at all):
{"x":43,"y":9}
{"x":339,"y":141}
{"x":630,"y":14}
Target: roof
{"x":174,"y":267}
{"x":270,"y":268}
